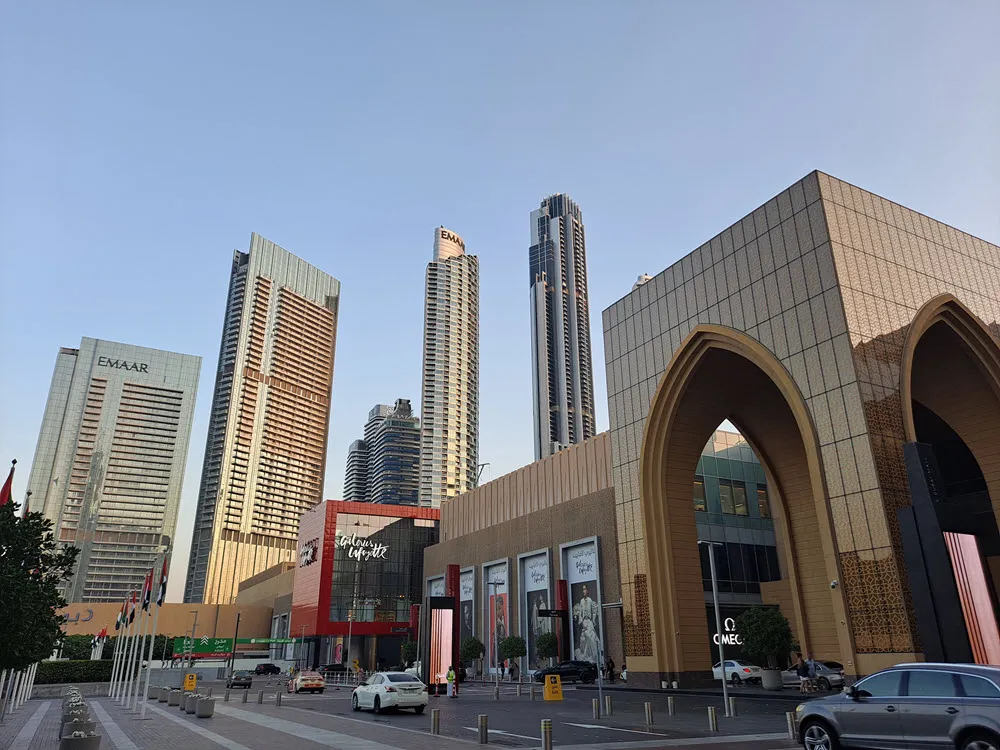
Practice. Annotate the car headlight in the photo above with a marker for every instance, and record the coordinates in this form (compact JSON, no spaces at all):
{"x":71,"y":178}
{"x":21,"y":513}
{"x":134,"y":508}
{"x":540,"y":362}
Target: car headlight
{"x":800,"y":708}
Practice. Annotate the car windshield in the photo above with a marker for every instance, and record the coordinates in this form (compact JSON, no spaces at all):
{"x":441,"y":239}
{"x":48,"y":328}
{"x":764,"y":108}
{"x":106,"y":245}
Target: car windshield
{"x":400,"y":677}
{"x":242,"y":673}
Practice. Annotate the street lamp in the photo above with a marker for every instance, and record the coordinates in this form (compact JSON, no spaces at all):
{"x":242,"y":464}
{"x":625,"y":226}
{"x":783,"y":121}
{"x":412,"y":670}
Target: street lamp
{"x":191,"y":646}
{"x":496,"y":632}
{"x":718,"y":619}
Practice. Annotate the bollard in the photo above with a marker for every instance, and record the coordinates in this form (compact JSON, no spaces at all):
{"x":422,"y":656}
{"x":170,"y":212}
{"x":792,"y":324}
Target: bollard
{"x":595,"y":707}
{"x":670,"y":705}
{"x":484,"y":730}
{"x":277,"y":697}
{"x":519,"y":689}
{"x":225,"y":696}
{"x":209,"y":693}
{"x":607,"y":705}
{"x":546,"y":734}
{"x":496,"y":693}
{"x":532,"y":692}
{"x":732,"y":705}
{"x":245,"y":694}
{"x":790,"y":718}
{"x":435,"y":721}
{"x":649,"y":714}
{"x":260,"y":696}
{"x":713,"y":720}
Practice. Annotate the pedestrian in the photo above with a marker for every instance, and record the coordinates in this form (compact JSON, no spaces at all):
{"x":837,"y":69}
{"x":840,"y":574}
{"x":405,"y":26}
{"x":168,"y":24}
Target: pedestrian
{"x":450,"y":677}
{"x":609,"y":669}
{"x":515,"y":672}
{"x":812,"y":673}
{"x":802,"y":670}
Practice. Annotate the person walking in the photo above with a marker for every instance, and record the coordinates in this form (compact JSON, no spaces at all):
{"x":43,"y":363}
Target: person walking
{"x":450,"y":677}
{"x":609,"y":669}
{"x":811,"y":663}
{"x":802,"y":670}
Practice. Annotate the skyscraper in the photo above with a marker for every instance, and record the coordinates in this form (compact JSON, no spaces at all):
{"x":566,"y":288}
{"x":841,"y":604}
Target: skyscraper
{"x":394,"y":457}
{"x":376,"y":416}
{"x":356,"y":475}
{"x":562,"y":374}
{"x":109,"y":464}
{"x":449,"y":419}
{"x":267,"y":433}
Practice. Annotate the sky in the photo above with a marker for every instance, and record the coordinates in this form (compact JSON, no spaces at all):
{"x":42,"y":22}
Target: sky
{"x":141,"y":143}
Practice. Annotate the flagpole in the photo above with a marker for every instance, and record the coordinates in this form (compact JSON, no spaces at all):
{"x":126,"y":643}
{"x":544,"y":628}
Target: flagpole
{"x":147,"y":596}
{"x":131,"y":697}
{"x":122,"y":651}
{"x":149,"y":661}
{"x":120,"y":641}
{"x":129,"y":647}
{"x":123,"y":699}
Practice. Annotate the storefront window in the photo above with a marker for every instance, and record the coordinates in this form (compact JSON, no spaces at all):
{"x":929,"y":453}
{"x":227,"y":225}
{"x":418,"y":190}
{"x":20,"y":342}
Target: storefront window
{"x":762,"y":505}
{"x":699,"y":494}
{"x":726,"y":496}
{"x":740,"y":499}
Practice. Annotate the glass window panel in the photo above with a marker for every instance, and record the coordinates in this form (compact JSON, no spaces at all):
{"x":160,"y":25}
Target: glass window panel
{"x":740,"y":499}
{"x":724,"y":468}
{"x":882,"y":685}
{"x":762,"y":505}
{"x":977,"y":687}
{"x":721,"y":563}
{"x":699,"y":494}
{"x":735,"y":556}
{"x":749,"y":562}
{"x":774,"y":571}
{"x":726,"y":496}
{"x":931,"y":684}
{"x":710,"y":466}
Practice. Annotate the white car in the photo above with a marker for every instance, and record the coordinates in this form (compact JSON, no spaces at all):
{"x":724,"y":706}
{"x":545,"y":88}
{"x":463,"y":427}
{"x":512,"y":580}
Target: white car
{"x":383,"y":690}
{"x":737,"y":671}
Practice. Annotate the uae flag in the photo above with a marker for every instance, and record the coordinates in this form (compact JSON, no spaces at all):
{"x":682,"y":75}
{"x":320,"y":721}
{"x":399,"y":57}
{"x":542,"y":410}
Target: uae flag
{"x":162,"y":593}
{"x":120,"y":620}
{"x":8,"y":485}
{"x":131,"y":611}
{"x":147,"y":590}
{"x":99,"y":638}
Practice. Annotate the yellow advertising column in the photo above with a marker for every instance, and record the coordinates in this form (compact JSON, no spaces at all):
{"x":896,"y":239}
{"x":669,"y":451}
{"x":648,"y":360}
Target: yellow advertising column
{"x":553,"y":688}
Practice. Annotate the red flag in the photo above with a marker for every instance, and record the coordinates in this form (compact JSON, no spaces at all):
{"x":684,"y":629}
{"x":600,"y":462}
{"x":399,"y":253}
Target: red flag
{"x":147,"y":589}
{"x":162,"y":594}
{"x":131,"y":612}
{"x":7,"y":486}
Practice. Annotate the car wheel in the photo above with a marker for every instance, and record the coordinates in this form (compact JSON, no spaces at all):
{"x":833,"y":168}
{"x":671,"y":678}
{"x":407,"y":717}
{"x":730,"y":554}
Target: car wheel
{"x":981,"y":741}
{"x":320,"y":691}
{"x":735,"y":679}
{"x":418,"y":709}
{"x":354,"y":703}
{"x":816,"y":735}
{"x":823,"y":684}
{"x":377,"y":705}
{"x":586,"y":679}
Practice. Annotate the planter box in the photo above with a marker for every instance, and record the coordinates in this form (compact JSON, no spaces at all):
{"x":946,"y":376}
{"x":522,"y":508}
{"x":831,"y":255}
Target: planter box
{"x":90,"y":742}
{"x":87,"y":727}
{"x":770,"y":679}
{"x":174,"y":698}
{"x":163,"y":695}
{"x":191,"y":703}
{"x":204,"y":708}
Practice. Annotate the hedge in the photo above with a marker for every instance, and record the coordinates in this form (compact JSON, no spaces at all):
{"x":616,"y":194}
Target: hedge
{"x":72,"y":672}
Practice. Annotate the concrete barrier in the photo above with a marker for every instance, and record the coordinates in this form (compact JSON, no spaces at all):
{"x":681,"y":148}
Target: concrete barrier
{"x":81,"y":742}
{"x":191,"y":703}
{"x":174,"y":698}
{"x":204,"y":708}
{"x":163,"y":694}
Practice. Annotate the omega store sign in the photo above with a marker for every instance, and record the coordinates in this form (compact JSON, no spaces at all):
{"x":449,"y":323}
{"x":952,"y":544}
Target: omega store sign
{"x":732,"y":644}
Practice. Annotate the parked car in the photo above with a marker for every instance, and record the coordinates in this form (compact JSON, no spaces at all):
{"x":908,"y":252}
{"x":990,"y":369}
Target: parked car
{"x":267,"y":669}
{"x":385,"y":690}
{"x":826,"y":678}
{"x":737,"y":671}
{"x":332,"y":670}
{"x":918,"y":705}
{"x":240,"y":679}
{"x":311,"y":682}
{"x":836,"y":666}
{"x":570,"y":671}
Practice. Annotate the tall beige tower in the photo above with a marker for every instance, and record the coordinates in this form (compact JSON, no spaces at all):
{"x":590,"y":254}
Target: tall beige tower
{"x":449,"y":418}
{"x":267,"y":434}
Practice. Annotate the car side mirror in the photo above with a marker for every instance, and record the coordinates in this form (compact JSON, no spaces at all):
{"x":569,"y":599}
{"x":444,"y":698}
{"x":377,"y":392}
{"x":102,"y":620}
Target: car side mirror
{"x":851,"y":692}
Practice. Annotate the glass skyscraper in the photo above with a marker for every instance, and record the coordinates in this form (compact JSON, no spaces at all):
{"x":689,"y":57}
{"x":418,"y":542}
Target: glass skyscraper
{"x":562,"y":371}
{"x":385,"y":466}
{"x":267,"y":434}
{"x":110,"y":459}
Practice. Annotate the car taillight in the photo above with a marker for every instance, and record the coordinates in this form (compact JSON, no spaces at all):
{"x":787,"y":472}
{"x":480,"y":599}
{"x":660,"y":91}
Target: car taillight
{"x":746,"y":670}
{"x":427,"y":688}
{"x":390,"y":689}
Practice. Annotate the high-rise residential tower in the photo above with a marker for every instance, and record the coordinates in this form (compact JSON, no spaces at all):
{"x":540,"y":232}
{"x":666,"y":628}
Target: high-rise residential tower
{"x":376,"y":416}
{"x":394,"y":457}
{"x":110,"y":459}
{"x":356,"y":474}
{"x":267,"y":433}
{"x":449,"y":419}
{"x":562,"y":374}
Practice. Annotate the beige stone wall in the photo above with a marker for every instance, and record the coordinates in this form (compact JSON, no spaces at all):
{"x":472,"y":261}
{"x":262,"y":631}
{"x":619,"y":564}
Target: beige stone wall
{"x":263,"y":589}
{"x":214,"y":620}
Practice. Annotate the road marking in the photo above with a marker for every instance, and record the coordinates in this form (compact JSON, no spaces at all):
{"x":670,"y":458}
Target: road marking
{"x":614,"y":729}
{"x":721,"y":739}
{"x":506,"y":734}
{"x":306,"y":732}
{"x":218,"y":739}
{"x":118,"y":738}
{"x":27,"y":733}
{"x":370,"y":723}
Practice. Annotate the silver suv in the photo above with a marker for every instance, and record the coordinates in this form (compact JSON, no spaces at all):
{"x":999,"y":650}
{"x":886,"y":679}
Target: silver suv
{"x":909,"y":706}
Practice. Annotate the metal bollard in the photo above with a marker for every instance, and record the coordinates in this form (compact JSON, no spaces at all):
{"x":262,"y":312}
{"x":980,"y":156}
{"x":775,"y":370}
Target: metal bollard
{"x":670,"y":705}
{"x":713,"y":720}
{"x":435,"y":721}
{"x":518,"y":689}
{"x":607,"y":705}
{"x":790,"y":718}
{"x":277,"y":697}
{"x":260,"y":696}
{"x":209,"y":693}
{"x":246,"y":692}
{"x":649,"y":713}
{"x":484,"y":730}
{"x":225,"y":697}
{"x":595,"y":706}
{"x":532,"y":692}
{"x":496,"y":693}
{"x":732,"y":705}
{"x":546,"y":734}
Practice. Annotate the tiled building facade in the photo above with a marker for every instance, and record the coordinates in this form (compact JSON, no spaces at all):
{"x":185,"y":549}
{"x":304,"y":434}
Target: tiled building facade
{"x":796,"y":318}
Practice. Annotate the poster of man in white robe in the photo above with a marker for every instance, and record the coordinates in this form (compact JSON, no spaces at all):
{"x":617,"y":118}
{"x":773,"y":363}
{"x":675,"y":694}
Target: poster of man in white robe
{"x":581,"y":566}
{"x":535,"y":584}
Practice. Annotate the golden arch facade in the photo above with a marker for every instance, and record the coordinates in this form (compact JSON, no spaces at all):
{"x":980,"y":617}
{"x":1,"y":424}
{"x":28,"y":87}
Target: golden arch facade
{"x":802,"y":324}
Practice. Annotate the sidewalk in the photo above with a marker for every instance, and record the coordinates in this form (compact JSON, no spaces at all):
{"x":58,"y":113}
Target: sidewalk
{"x":789,"y":694}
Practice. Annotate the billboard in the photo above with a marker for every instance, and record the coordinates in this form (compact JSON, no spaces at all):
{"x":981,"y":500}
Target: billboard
{"x":535,"y":595}
{"x":497,"y":615}
{"x":581,"y":566}
{"x":466,"y":605}
{"x":435,"y":586}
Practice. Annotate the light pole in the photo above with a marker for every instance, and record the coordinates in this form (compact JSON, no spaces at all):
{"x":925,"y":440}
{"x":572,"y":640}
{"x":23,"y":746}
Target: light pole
{"x":496,"y":631}
{"x":302,"y":646}
{"x":718,"y":620}
{"x":191,"y":642}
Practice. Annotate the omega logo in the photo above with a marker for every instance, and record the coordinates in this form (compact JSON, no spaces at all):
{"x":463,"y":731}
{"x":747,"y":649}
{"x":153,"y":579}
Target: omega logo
{"x":730,"y":637}
{"x":121,"y":364}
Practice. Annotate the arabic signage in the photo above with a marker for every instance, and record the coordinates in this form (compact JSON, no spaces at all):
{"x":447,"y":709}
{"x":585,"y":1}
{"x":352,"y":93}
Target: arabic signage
{"x":203,"y":646}
{"x":265,"y":640}
{"x":85,"y":616}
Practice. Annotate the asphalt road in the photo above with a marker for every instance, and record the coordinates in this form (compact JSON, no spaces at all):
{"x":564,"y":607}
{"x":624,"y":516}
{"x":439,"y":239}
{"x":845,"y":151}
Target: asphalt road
{"x":514,"y":721}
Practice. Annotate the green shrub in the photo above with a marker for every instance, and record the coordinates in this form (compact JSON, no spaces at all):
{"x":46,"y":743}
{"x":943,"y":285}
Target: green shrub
{"x":472,"y":649}
{"x":73,"y":672}
{"x":408,"y":651}
{"x":512,"y":647}
{"x":766,"y":634}
{"x":547,"y":646}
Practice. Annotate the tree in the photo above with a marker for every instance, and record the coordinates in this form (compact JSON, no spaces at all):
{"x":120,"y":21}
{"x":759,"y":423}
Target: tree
{"x":472,"y":649}
{"x":77,"y":647}
{"x":512,"y":647}
{"x":547,"y":646}
{"x":408,"y":652}
{"x":32,"y":565}
{"x":766,"y":635}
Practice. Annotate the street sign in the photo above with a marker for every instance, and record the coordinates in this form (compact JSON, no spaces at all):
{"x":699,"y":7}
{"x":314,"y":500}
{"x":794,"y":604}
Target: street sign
{"x":553,"y":688}
{"x":203,"y":647}
{"x":552,"y":613}
{"x":190,"y":681}
{"x":265,"y":641}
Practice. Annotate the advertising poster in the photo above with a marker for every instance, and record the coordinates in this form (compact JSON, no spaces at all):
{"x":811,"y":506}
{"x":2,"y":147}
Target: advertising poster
{"x":497,"y":612}
{"x":435,"y":587}
{"x":581,"y":566}
{"x":535,"y":586}
{"x":467,"y":584}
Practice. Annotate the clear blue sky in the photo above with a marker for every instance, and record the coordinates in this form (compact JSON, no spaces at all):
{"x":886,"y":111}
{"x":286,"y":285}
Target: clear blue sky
{"x":141,"y":143}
